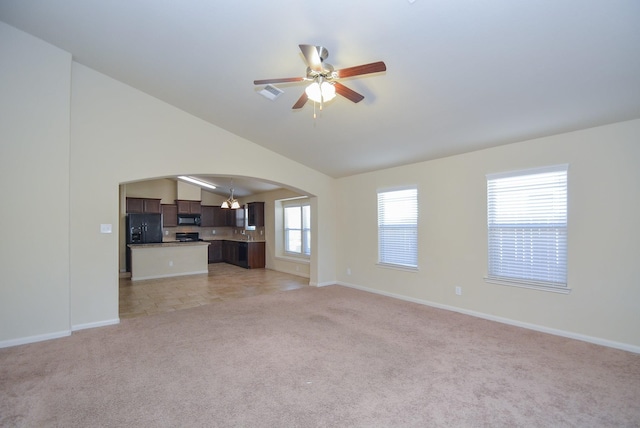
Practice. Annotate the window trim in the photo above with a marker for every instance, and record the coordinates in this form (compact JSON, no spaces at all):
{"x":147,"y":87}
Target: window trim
{"x":562,"y":288}
{"x":291,"y":255}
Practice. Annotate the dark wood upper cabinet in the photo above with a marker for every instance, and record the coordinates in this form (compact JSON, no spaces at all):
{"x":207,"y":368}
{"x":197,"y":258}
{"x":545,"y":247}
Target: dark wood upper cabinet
{"x":135,"y":205}
{"x":207,"y":219}
{"x":152,"y":206}
{"x":221,"y":217}
{"x":255,"y":213}
{"x":169,"y":215}
{"x":188,"y":207}
{"x":143,"y":205}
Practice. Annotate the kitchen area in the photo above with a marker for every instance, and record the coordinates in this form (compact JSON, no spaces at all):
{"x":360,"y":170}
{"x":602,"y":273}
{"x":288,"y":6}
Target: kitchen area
{"x":166,"y":238}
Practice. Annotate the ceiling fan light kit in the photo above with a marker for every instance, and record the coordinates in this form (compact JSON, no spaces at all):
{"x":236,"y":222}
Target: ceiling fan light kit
{"x":323,"y":78}
{"x":320,"y":92}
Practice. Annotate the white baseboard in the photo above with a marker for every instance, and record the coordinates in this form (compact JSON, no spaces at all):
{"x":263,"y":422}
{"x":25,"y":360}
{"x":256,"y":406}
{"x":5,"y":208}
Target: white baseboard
{"x":56,"y":335}
{"x":32,"y":339}
{"x":95,"y":324}
{"x":169,"y":275}
{"x":556,"y":332}
{"x":322,"y":284}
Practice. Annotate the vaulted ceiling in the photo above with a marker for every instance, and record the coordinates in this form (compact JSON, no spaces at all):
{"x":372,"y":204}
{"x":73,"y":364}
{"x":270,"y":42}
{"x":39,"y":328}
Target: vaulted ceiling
{"x":461,"y":75}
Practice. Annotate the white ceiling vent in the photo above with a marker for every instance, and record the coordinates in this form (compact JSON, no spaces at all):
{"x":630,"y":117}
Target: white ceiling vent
{"x":271,"y":92}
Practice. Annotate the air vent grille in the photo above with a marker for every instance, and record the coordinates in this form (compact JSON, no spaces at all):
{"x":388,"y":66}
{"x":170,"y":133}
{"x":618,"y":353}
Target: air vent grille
{"x":271,"y":92}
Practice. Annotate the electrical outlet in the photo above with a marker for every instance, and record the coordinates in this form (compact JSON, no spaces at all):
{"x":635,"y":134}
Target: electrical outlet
{"x":459,"y":291}
{"x":171,"y":263}
{"x":213,"y":232}
{"x":348,"y":271}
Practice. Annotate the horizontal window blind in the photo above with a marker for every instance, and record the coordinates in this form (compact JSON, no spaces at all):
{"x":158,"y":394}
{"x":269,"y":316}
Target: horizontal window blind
{"x":297,"y":228}
{"x":398,"y":227}
{"x":527,"y":224}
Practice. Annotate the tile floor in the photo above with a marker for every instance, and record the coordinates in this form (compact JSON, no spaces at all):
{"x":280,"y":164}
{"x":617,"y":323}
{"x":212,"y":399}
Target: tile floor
{"x":223,"y":282}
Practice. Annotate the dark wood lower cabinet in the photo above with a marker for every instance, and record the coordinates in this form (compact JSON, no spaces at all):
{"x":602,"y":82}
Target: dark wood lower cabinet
{"x":215,"y":251}
{"x":256,"y":255}
{"x":249,"y":255}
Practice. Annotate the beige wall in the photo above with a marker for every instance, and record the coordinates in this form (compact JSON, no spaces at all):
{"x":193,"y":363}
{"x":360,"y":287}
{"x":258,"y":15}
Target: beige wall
{"x":165,"y":189}
{"x":209,"y":198}
{"x":64,"y":275}
{"x":604,"y":237}
{"x":74,"y":135}
{"x":34,"y":182}
{"x":122,"y":126}
{"x":273,"y":229}
{"x":188,"y":192}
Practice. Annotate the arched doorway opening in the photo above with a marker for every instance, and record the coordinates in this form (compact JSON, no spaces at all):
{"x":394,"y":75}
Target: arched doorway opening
{"x":282,"y":270}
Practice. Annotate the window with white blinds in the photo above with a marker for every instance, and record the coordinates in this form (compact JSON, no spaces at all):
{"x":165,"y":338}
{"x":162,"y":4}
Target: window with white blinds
{"x":297,"y":228}
{"x":398,"y":227}
{"x":527,"y":223}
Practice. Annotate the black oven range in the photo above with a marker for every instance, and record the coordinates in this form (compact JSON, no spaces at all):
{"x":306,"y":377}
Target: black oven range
{"x":188,"y":236}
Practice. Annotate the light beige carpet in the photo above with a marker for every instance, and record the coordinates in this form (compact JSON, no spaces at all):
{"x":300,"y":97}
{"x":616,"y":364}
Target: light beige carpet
{"x":316,"y":357}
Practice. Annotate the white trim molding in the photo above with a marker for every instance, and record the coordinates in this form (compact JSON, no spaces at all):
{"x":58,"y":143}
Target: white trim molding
{"x":556,"y":332}
{"x":95,"y":324}
{"x":169,"y":275}
{"x":322,"y":284}
{"x":33,"y":339}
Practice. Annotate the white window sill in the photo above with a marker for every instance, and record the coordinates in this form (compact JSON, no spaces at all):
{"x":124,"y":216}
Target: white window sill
{"x":529,"y":284}
{"x":397,"y":267}
{"x":286,"y":258}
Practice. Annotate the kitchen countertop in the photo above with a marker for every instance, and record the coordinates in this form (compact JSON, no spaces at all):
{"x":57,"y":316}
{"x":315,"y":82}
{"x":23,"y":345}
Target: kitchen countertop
{"x":233,"y":239}
{"x":168,"y":244}
{"x":184,"y":243}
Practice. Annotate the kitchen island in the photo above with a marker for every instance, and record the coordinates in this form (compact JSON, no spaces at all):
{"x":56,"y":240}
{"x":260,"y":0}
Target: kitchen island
{"x":168,"y":259}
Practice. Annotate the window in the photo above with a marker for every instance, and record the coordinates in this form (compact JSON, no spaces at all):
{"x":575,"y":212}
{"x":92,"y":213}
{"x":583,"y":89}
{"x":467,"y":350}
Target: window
{"x":297,"y":228}
{"x":527,"y":224}
{"x":398,"y":227}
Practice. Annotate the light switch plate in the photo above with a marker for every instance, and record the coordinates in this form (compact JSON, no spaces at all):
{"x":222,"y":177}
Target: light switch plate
{"x":105,"y":228}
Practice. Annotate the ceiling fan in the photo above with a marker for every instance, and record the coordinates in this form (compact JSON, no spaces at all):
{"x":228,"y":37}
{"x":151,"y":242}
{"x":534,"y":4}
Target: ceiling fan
{"x":324,"y":86}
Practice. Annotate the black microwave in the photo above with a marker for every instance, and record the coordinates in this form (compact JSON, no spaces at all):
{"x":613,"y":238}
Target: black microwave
{"x":188,"y":219}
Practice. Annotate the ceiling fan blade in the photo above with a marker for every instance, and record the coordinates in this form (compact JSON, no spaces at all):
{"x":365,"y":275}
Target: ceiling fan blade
{"x":347,"y":93}
{"x":373,"y":67}
{"x":301,"y":101}
{"x":281,"y":80}
{"x":312,"y":57}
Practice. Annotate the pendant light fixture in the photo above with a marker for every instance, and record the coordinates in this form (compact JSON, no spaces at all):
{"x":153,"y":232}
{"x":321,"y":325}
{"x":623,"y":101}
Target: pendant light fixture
{"x":231,"y":202}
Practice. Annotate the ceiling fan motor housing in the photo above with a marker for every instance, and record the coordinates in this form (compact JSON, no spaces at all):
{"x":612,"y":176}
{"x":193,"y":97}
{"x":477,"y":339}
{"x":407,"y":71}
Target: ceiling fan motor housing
{"x":327,"y":69}
{"x":323,"y":53}
{"x":327,"y":72}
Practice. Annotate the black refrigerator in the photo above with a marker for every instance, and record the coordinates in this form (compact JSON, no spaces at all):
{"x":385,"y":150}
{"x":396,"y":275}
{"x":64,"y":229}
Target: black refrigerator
{"x":144,"y":228}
